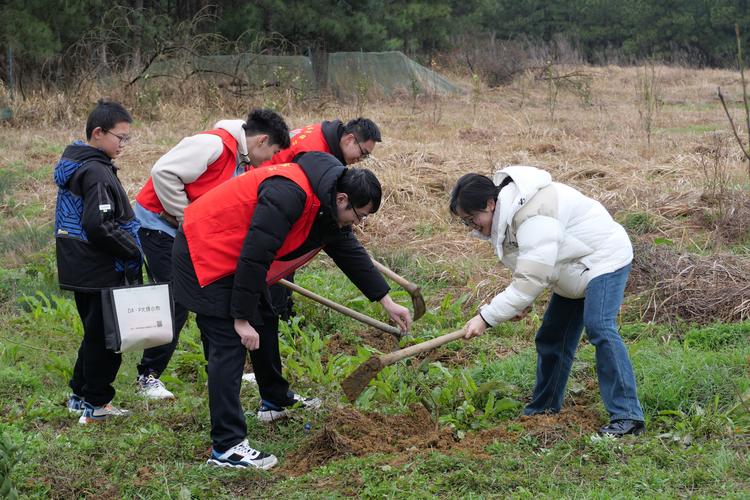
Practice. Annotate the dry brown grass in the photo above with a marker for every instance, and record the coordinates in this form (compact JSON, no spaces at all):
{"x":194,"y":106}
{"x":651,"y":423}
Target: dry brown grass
{"x":598,"y":148}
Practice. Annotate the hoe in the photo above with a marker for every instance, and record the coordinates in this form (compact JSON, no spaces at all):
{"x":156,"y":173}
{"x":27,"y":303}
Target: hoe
{"x":354,"y":384}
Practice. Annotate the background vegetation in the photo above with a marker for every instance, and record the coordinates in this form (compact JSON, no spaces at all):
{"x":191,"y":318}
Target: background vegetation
{"x":55,"y":41}
{"x":650,"y":142}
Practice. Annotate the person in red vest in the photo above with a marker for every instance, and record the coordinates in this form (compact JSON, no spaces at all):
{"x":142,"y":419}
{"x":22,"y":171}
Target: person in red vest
{"x":237,"y":240}
{"x":194,"y":166}
{"x":350,"y":143}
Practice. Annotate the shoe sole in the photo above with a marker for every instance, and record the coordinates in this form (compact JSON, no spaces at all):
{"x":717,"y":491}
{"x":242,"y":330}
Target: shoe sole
{"x":90,"y":420}
{"x":636,"y":432}
{"x":218,"y":463}
{"x":158,"y":398}
{"x":272,"y":418}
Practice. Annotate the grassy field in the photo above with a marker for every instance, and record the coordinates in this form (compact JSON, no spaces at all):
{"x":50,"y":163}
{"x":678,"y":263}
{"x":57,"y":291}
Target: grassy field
{"x":447,"y":424}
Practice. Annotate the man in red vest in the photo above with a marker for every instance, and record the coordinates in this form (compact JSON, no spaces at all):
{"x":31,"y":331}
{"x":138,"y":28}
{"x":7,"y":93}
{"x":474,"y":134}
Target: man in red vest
{"x":234,"y":242}
{"x":350,"y":144}
{"x":190,"y":169}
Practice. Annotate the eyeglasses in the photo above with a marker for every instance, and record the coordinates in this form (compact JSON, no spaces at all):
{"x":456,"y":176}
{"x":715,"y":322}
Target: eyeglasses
{"x":360,"y":218}
{"x":363,"y":153}
{"x":469,"y":220}
{"x":124,"y":139}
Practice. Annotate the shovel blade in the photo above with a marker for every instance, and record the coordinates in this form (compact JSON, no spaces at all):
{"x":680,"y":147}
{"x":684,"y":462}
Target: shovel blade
{"x":357,"y":381}
{"x":419,"y":306}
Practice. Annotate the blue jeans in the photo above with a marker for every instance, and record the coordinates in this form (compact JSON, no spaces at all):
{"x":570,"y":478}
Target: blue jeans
{"x":557,"y":340}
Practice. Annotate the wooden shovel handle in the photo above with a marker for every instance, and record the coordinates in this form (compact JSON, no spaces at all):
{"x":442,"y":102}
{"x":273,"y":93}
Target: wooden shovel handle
{"x":392,"y":357}
{"x":403,"y":282}
{"x":342,"y":309}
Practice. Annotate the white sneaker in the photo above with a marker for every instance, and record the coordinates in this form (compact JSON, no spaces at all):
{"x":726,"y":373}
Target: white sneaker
{"x":93,"y":413}
{"x":242,"y":456}
{"x":269,"y":412}
{"x":152,"y":388}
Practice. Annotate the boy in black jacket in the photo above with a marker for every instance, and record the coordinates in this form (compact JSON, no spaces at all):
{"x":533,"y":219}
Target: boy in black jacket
{"x":97,"y":246}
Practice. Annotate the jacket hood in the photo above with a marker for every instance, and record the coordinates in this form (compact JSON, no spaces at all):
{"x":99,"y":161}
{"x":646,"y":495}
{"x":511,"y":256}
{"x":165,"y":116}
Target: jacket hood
{"x":235,"y":127}
{"x":73,"y":158}
{"x":527,"y":181}
{"x":332,"y":132}
{"x":323,"y":171}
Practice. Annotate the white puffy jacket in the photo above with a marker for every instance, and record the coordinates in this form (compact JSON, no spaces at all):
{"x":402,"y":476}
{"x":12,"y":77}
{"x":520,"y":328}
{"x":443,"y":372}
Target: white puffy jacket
{"x":549,"y":235}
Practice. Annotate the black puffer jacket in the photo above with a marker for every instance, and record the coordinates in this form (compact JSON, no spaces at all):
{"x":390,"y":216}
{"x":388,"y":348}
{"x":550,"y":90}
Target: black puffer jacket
{"x":333,"y":131}
{"x":280,"y":205}
{"x":95,"y":229}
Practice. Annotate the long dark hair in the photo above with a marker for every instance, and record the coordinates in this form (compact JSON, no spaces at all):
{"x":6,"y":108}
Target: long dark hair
{"x":471,"y":193}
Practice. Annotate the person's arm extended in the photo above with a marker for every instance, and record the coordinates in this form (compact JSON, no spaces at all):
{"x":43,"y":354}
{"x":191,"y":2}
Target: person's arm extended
{"x":280,"y":204}
{"x":539,"y":239}
{"x":181,"y":165}
{"x":351,"y":257}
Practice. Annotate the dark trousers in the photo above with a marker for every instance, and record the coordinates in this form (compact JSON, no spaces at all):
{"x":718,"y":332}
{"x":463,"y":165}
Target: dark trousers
{"x":157,"y":246}
{"x":96,"y":366}
{"x":226,"y":360}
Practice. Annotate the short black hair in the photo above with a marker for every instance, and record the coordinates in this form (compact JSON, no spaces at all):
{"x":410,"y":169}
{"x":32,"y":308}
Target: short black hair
{"x":267,"y":121}
{"x":363,"y":129}
{"x":472,"y":192}
{"x":106,"y":114}
{"x":362,"y":187}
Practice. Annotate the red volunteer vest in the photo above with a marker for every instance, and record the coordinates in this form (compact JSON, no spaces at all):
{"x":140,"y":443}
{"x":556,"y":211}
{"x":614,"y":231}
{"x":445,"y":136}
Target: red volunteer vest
{"x":222,"y":169}
{"x":216,"y":225}
{"x":304,"y":140}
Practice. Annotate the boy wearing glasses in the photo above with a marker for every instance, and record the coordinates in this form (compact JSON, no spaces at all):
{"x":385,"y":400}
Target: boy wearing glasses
{"x":193,"y":167}
{"x":97,"y":247}
{"x":350,"y":143}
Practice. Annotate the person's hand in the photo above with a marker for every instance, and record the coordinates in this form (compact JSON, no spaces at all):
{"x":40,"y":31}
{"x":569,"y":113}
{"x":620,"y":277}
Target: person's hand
{"x":475,"y":327}
{"x":398,"y":313}
{"x":248,"y":336}
{"x":169,"y":219}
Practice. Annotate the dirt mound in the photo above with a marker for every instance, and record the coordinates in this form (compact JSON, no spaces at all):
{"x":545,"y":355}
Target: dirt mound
{"x":570,"y":423}
{"x":348,"y":432}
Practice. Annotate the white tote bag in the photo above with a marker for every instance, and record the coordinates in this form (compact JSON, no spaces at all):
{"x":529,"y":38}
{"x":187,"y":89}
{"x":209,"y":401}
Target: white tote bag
{"x":138,"y":317}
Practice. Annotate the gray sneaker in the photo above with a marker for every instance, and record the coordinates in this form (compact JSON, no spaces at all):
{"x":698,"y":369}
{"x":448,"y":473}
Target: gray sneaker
{"x":92,"y":414}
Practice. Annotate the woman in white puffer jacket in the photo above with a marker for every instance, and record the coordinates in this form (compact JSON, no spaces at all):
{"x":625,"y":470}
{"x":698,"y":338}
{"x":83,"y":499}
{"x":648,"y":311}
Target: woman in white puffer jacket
{"x":551,"y":235}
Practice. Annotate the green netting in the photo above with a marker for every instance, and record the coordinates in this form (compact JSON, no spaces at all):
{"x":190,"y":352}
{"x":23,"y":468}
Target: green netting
{"x":250,"y":69}
{"x":383,"y":74}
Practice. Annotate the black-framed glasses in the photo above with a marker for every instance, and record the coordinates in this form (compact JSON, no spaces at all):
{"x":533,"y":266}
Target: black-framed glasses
{"x":360,"y":218}
{"x":363,"y":153}
{"x":468,"y":221}
{"x":124,"y":139}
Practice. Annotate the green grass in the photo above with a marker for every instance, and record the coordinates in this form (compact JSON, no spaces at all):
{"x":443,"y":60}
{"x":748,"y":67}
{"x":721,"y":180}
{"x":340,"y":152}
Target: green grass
{"x":699,"y":128}
{"x":693,"y":382}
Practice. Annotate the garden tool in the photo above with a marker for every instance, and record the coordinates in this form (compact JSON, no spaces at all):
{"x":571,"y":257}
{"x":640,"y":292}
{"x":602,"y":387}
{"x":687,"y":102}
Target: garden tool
{"x":354,"y":384}
{"x":416,"y":294}
{"x":395,"y":331}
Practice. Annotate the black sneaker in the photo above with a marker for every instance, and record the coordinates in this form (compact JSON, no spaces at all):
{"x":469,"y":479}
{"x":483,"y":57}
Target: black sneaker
{"x":618,"y":428}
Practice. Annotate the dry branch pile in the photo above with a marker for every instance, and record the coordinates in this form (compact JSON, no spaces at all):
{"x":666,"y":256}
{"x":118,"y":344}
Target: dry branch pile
{"x":700,"y":289}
